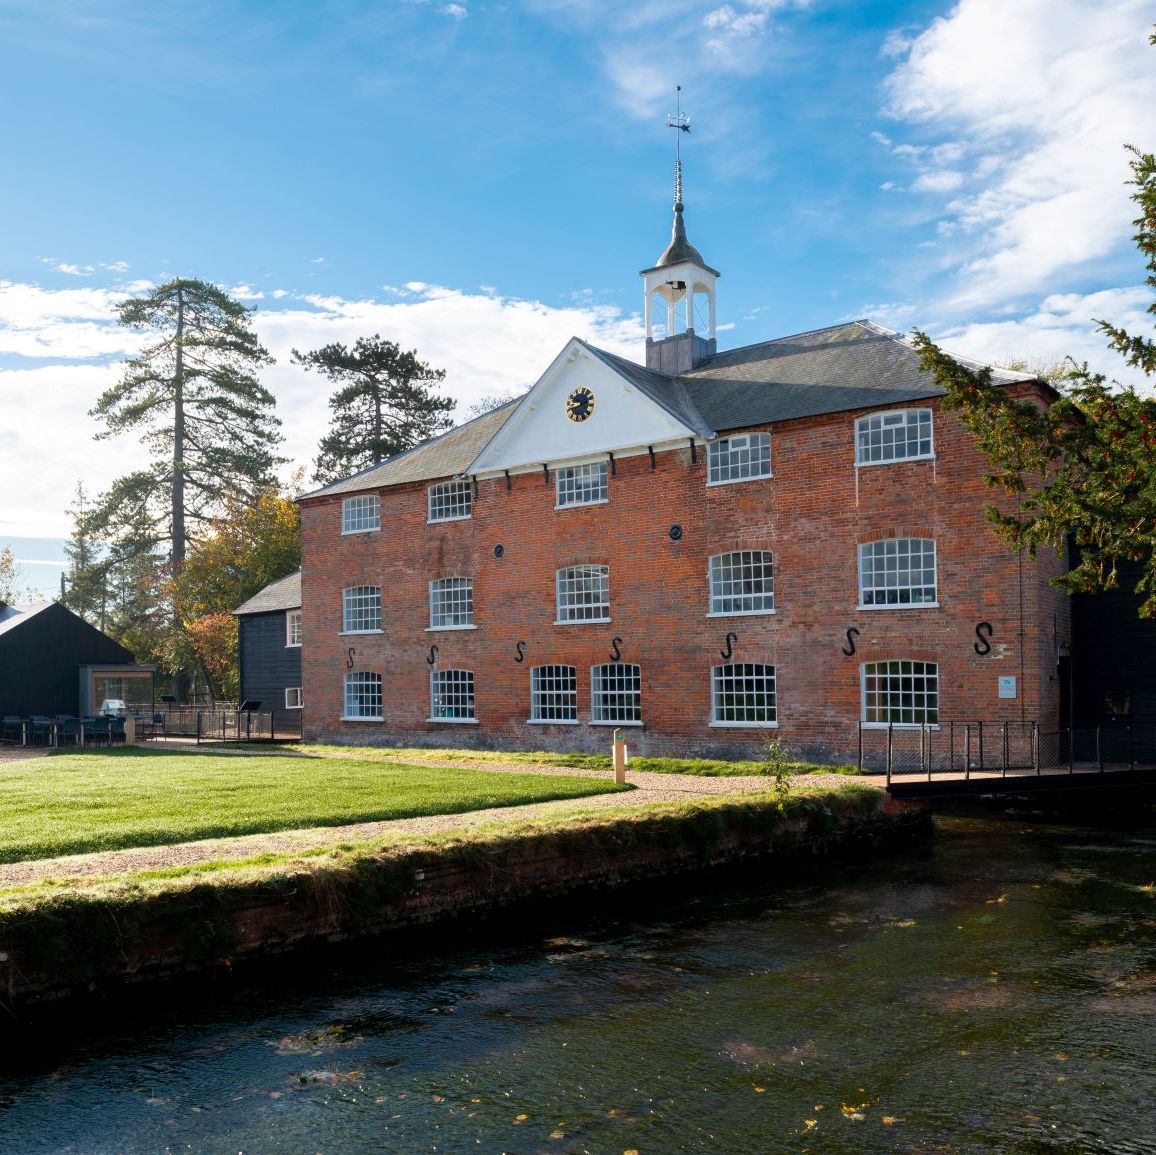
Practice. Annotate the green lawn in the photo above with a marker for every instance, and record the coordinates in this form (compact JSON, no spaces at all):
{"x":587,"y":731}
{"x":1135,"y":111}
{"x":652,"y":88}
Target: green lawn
{"x":74,"y":803}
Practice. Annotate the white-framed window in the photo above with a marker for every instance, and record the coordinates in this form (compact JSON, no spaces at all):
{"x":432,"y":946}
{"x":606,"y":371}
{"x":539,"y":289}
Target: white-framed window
{"x":897,"y":571}
{"x":449,"y":500}
{"x":616,"y":693}
{"x":738,"y":458}
{"x":898,"y":435}
{"x":583,"y":593}
{"x":451,"y":696}
{"x":360,"y":609}
{"x":582,"y":484}
{"x":451,"y":603}
{"x":363,"y":697}
{"x":743,"y":694}
{"x":742,"y":582}
{"x":553,"y":694}
{"x":901,"y":692}
{"x":293,"y":627}
{"x":292,"y":697}
{"x":361,"y":513}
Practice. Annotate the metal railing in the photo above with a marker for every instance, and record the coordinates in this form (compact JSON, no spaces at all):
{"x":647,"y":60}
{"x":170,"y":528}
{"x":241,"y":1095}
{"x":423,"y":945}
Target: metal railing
{"x":964,"y":749}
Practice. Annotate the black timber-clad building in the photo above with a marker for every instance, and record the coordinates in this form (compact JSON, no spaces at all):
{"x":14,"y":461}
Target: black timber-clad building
{"x":53,"y":662}
{"x":269,"y":651}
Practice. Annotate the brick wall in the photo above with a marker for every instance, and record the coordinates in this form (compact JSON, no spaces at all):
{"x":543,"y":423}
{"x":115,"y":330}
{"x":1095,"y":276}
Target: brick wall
{"x":811,"y":514}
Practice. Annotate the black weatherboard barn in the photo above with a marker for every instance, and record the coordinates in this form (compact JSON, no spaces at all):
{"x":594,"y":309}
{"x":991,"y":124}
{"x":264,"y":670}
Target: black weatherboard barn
{"x":53,"y":662}
{"x":269,"y":629}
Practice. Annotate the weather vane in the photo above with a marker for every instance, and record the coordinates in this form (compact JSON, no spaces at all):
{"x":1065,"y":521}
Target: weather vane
{"x":681,"y":122}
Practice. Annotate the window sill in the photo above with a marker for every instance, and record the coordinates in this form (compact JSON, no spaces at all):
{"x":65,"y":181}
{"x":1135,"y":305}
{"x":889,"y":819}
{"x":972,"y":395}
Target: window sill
{"x":355,"y":532}
{"x":899,"y":725}
{"x":455,"y":721}
{"x":615,"y":725}
{"x":443,"y":629}
{"x":744,"y":725}
{"x":581,"y":621}
{"x":894,"y":461}
{"x":362,"y":718}
{"x":293,"y":645}
{"x":583,"y":504}
{"x":903,"y":606}
{"x":552,"y":721}
{"x":439,"y":520}
{"x":358,"y":633}
{"x":740,"y":480}
{"x":740,"y":613}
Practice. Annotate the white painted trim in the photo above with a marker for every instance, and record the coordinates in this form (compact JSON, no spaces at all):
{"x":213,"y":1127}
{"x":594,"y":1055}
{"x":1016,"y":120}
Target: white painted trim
{"x":362,"y":718}
{"x":744,"y":725}
{"x":443,"y":629}
{"x":895,"y":460}
{"x":552,"y":722}
{"x":584,"y":622}
{"x":903,"y":606}
{"x":899,"y":725}
{"x":352,"y":532}
{"x":742,"y":614}
{"x":592,"y":722}
{"x":457,"y":517}
{"x":740,"y":481}
{"x":581,"y":504}
{"x":455,"y":721}
{"x":356,"y":633}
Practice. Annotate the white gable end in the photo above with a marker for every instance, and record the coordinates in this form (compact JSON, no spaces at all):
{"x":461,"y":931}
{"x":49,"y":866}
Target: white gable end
{"x":542,"y":431}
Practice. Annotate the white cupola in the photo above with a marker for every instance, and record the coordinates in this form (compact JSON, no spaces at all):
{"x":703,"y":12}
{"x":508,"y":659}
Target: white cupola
{"x":685,"y":284}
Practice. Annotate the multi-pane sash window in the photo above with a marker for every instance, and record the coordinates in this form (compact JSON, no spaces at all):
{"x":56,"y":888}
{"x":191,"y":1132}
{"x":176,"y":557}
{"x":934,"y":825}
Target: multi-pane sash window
{"x":360,"y":609}
{"x":584,"y":593}
{"x":905,"y":693}
{"x":449,"y":500}
{"x":737,"y":458}
{"x":451,"y":603}
{"x":582,"y":484}
{"x":451,"y":696}
{"x":742,"y":582}
{"x":292,"y":697}
{"x":363,"y":696}
{"x":553,"y":694}
{"x":616,"y":693}
{"x":361,"y":513}
{"x":743,"y":694}
{"x":293,"y":628}
{"x":894,"y":436}
{"x":898,"y":571}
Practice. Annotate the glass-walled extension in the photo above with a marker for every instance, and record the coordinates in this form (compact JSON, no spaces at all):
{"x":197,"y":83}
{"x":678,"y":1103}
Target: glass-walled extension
{"x":132,"y":685}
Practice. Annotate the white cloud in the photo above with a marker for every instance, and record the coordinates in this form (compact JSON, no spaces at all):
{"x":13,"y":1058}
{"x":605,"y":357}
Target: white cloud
{"x":485,"y":342}
{"x":457,"y":11}
{"x":75,"y":270}
{"x":1031,"y":103}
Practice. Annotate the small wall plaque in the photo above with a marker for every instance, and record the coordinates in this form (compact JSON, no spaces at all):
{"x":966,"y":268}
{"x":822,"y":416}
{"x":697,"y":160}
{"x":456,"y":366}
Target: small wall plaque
{"x":1007,"y":687}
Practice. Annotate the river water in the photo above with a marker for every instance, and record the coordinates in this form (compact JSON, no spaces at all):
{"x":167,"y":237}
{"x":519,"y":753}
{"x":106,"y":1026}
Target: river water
{"x":993,"y":992}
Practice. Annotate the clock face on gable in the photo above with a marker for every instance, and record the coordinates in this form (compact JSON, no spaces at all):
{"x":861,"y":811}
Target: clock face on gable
{"x":580,"y":403}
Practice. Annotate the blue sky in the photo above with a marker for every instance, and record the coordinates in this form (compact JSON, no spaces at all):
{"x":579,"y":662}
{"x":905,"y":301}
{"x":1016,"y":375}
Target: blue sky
{"x":480,"y":181}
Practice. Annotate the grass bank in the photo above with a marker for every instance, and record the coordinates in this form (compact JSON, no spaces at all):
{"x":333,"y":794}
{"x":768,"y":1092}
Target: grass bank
{"x":124,"y":798}
{"x":702,"y":767}
{"x":68,"y":934}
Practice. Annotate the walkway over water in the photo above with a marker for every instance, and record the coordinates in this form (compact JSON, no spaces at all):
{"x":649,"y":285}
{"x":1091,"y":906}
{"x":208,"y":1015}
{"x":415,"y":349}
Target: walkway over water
{"x":967,"y":758}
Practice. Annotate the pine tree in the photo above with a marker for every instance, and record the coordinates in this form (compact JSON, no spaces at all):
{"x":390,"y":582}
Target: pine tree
{"x":385,"y":404}
{"x":194,"y":399}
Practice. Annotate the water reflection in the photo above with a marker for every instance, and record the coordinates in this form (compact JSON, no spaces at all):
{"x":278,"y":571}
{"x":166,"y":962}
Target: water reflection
{"x":993,"y":994}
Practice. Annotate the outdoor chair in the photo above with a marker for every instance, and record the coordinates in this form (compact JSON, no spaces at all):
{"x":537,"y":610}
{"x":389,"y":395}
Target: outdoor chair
{"x":68,"y":731}
{"x":97,"y":730}
{"x":11,"y":729}
{"x":158,"y":725}
{"x":40,"y":728}
{"x":116,"y":731}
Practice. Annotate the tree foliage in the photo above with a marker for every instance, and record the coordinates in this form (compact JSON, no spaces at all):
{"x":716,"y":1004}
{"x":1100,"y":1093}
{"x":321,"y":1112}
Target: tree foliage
{"x":10,"y":577}
{"x":385,"y":404}
{"x":193,"y":397}
{"x":213,"y":638}
{"x":1086,"y":464}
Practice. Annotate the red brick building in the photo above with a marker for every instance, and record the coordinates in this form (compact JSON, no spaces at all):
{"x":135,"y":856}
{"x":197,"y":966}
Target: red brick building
{"x":787,"y":539}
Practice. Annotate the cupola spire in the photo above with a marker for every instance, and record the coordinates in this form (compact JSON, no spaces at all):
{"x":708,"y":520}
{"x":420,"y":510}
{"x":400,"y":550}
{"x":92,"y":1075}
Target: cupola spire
{"x":679,"y":277}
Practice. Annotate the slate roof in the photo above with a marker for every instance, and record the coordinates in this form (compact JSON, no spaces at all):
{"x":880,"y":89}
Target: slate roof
{"x":854,"y":365}
{"x":283,"y":594}
{"x":444,"y":456}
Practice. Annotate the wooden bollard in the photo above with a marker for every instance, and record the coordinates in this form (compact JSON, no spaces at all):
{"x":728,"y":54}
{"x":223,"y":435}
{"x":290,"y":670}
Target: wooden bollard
{"x":620,"y":757}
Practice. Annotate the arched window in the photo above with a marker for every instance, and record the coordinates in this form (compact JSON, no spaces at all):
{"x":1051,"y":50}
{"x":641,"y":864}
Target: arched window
{"x":897,"y":571}
{"x":553,"y":694}
{"x":616,"y":693}
{"x":743,"y":694}
{"x":900,"y":692}
{"x":451,"y":696}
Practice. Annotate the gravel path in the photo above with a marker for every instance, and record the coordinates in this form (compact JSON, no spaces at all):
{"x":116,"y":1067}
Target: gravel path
{"x":649,"y":788}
